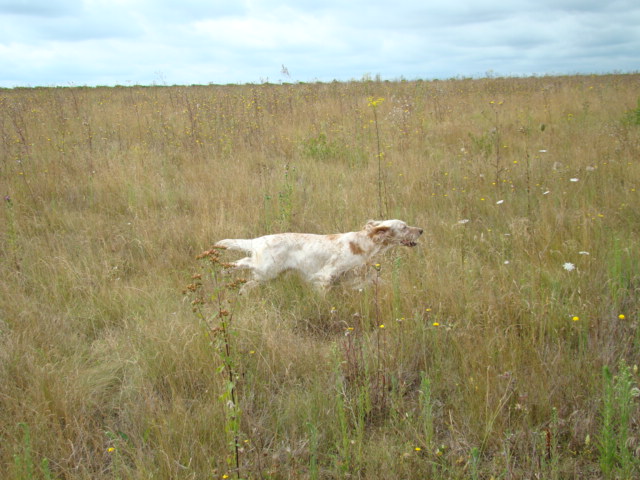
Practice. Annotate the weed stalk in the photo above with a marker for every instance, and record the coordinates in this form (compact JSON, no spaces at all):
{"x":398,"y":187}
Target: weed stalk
{"x":219,"y":321}
{"x":374,"y":106}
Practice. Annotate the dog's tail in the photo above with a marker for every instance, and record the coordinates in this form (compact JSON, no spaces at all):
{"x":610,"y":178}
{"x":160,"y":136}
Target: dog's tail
{"x":236,"y":244}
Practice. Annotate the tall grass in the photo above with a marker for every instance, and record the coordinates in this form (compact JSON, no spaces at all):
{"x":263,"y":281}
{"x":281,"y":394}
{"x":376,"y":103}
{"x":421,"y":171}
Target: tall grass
{"x":479,"y":354}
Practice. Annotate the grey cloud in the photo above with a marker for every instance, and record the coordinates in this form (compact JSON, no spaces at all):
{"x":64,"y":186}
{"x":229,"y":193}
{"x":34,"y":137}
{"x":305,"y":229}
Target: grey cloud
{"x":39,"y":8}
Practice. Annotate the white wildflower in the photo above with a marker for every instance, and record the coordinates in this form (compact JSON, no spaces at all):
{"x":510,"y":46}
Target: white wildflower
{"x":574,"y":180}
{"x":499,"y":202}
{"x":569,"y":267}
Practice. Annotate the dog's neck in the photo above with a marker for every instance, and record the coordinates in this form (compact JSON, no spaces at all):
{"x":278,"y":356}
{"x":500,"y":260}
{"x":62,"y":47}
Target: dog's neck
{"x":370,"y":247}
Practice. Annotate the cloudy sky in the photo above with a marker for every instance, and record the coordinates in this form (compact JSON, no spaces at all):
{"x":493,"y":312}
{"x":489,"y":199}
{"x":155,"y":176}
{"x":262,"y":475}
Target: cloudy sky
{"x":124,"y":42}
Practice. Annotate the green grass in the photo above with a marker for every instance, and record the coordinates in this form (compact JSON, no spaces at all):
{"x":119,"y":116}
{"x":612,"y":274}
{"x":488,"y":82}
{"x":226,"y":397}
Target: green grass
{"x":479,"y":355}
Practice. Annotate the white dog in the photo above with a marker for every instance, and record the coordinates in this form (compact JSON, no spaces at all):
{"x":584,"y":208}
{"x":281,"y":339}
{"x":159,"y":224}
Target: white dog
{"x":320,"y":259}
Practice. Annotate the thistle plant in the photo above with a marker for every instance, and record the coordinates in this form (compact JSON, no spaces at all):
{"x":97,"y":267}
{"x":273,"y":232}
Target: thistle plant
{"x":619,"y":394}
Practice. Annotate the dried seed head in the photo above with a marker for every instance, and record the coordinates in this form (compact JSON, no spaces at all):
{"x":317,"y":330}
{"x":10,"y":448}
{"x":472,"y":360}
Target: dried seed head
{"x":192,"y":287}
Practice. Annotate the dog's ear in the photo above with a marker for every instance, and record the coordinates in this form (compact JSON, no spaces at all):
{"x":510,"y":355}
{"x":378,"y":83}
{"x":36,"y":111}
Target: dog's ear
{"x":379,"y":233}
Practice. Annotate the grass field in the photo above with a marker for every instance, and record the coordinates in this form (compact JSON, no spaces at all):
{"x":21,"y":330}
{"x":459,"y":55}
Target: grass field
{"x":505,"y":346}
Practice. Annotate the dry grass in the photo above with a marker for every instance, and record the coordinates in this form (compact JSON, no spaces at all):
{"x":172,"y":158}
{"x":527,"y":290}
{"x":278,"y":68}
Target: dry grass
{"x":489,"y":364}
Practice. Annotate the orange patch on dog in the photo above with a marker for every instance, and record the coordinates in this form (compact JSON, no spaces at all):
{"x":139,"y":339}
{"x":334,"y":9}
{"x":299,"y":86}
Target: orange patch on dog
{"x":355,"y":248}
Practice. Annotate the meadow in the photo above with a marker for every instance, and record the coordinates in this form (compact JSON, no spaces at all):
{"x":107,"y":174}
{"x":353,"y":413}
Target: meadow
{"x":505,"y":345}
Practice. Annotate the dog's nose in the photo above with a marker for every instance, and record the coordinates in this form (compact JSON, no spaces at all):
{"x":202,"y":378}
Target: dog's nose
{"x":420,"y":231}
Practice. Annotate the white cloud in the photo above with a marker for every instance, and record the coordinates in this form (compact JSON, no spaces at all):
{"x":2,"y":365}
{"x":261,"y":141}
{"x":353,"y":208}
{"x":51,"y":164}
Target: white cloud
{"x":289,"y":32}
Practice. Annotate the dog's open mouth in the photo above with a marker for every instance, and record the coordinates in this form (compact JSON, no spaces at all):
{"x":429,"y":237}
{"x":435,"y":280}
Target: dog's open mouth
{"x":409,"y":243}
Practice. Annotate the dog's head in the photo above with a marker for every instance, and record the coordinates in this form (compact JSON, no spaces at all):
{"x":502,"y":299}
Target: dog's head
{"x":393,"y":232}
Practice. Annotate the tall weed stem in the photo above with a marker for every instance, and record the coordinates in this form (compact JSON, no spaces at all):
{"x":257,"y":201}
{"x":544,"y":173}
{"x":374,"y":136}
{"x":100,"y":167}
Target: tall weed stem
{"x":218,"y":319}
